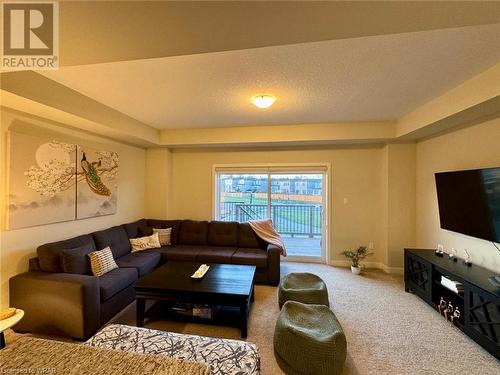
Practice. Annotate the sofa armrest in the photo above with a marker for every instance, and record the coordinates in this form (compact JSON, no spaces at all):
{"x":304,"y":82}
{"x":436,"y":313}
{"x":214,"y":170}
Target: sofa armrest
{"x":273,"y":264}
{"x":57,"y":303}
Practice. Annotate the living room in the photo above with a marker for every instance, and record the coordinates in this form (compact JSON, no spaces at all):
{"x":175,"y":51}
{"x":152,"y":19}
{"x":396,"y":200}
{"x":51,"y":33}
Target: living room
{"x":369,"y":100}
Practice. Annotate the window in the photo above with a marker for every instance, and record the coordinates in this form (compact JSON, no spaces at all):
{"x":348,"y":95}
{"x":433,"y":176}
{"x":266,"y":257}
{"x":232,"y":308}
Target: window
{"x":293,"y":197}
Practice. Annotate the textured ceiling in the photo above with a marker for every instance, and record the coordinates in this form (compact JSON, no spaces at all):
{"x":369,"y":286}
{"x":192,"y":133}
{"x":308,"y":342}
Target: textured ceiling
{"x":106,"y":31}
{"x":360,"y":79}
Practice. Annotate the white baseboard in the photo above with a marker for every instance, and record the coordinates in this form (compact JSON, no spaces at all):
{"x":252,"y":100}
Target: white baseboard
{"x":377,"y":265}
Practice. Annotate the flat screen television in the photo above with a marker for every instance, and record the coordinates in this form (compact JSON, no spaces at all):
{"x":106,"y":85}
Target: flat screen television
{"x":469,"y":202}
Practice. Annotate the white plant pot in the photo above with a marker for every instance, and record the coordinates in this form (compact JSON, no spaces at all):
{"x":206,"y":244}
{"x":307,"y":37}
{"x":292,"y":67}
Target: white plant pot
{"x":356,"y":270}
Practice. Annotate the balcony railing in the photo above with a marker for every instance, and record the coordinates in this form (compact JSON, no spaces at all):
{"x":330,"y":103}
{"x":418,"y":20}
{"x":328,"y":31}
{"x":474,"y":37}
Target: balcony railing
{"x":288,"y":219}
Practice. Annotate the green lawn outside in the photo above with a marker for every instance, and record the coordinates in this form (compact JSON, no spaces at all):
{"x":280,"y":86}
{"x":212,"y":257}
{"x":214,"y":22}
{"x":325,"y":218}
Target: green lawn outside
{"x":292,"y":216}
{"x":246,"y":200}
{"x":302,"y":219}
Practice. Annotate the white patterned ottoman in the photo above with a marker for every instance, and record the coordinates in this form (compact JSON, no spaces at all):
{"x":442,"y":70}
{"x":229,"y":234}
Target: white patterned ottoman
{"x":224,"y":357}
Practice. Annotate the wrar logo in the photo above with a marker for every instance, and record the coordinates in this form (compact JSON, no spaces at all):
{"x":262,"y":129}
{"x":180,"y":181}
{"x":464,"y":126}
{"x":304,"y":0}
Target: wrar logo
{"x":30,"y":35}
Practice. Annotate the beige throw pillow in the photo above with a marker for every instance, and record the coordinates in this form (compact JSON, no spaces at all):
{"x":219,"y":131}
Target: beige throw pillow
{"x":165,"y":236}
{"x":144,"y":243}
{"x":102,"y":261}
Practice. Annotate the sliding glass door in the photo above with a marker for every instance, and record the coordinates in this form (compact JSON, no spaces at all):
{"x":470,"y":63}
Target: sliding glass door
{"x":242,"y":197}
{"x":293,"y":199}
{"x":297,"y":212}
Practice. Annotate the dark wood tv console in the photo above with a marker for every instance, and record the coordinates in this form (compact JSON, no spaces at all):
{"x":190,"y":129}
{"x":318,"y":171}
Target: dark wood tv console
{"x":479,"y":304}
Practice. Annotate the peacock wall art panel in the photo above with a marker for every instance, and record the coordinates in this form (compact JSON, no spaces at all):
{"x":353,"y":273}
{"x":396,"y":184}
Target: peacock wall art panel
{"x":97,"y":182}
{"x":52,"y":181}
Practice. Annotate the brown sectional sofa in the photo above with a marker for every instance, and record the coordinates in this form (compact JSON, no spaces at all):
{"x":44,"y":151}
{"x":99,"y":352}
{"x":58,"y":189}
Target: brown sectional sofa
{"x":60,"y":296}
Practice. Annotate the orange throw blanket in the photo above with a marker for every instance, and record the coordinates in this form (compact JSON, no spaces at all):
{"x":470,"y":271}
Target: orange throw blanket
{"x":265,"y":230}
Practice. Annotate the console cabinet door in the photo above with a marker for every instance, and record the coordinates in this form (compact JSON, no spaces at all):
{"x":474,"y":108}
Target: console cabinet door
{"x":418,"y":276}
{"x":482,"y":318}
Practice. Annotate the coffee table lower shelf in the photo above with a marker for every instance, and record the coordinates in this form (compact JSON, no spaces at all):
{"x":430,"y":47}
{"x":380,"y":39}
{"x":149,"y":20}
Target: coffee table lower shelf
{"x":230,"y":314}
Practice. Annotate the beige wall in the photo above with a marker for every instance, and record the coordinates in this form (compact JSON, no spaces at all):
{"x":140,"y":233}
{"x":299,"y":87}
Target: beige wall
{"x":354,"y":175}
{"x":383,"y":217}
{"x":158,"y":177}
{"x":473,"y":147}
{"x":17,"y":246}
{"x":401,"y":161}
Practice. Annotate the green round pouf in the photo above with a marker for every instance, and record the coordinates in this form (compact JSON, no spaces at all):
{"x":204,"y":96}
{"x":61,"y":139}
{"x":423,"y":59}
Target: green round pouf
{"x":303,"y":287}
{"x":308,"y":339}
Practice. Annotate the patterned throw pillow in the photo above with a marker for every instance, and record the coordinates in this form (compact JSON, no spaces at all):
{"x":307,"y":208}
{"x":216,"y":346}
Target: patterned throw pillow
{"x":143,"y":243}
{"x":102,"y":261}
{"x":165,"y":236}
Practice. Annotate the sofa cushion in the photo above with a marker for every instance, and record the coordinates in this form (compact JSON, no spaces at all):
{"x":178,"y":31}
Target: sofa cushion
{"x":162,"y":224}
{"x":186,"y":253}
{"x":49,"y":254}
{"x":144,"y":262}
{"x":136,"y":229}
{"x":247,"y":237}
{"x":145,"y":243}
{"x":250,"y":256}
{"x":102,"y":261}
{"x":160,"y":250}
{"x":76,"y":260}
{"x":193,"y":232}
{"x":115,"y":281}
{"x":145,"y":231}
{"x":222,"y":233}
{"x":215,"y":255}
{"x":116,"y":238}
{"x":165,"y":236}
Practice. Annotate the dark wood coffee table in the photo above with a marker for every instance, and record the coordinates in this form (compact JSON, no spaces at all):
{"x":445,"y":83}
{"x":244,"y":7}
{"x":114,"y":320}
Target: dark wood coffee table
{"x":227,"y":285}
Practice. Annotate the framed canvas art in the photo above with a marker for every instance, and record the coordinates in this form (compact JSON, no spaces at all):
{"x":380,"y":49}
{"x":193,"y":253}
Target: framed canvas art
{"x":52,"y":181}
{"x":42,"y":181}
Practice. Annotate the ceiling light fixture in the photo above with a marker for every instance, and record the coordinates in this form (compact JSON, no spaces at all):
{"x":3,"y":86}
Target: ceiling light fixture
{"x":263,"y":100}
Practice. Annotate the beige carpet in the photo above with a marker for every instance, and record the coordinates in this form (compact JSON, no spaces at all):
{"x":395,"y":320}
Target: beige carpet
{"x":29,"y":355}
{"x":388,"y":331}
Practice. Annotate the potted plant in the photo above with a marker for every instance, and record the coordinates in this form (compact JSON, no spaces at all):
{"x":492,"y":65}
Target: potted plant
{"x":355,"y":257}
